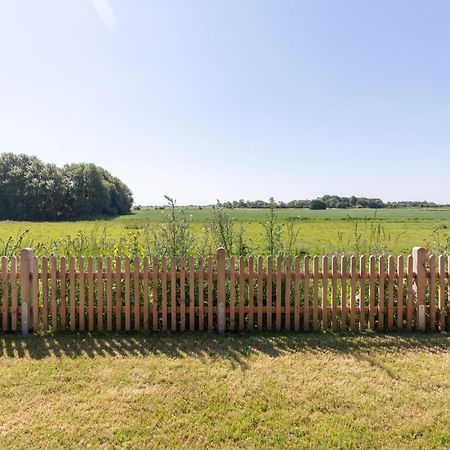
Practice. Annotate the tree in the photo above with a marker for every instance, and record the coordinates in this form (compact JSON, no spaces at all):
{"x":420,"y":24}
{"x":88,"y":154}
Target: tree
{"x":33,"y":190}
{"x":121,"y":197}
{"x":317,"y":204}
{"x":92,"y":190}
{"x":87,"y":192}
{"x":29,"y":189}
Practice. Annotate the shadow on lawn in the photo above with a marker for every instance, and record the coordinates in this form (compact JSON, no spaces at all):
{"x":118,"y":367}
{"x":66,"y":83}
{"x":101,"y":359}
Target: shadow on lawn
{"x":235,"y":348}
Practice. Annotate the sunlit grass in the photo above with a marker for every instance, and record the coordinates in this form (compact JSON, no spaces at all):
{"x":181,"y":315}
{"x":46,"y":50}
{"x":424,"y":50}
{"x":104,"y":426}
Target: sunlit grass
{"x":202,"y":391}
{"x":319,"y":231}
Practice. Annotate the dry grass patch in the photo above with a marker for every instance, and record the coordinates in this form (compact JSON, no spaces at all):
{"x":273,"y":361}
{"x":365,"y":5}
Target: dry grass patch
{"x":201,"y":391}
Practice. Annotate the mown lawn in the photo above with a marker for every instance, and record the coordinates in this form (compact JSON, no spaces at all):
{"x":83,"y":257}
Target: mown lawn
{"x":240,"y":391}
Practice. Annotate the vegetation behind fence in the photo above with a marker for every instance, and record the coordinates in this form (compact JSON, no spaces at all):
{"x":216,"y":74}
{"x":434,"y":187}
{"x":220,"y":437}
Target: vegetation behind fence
{"x":225,"y":293}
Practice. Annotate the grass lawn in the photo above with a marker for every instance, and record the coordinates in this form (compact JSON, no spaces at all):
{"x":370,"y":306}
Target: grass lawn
{"x":333,"y":230}
{"x":202,"y":391}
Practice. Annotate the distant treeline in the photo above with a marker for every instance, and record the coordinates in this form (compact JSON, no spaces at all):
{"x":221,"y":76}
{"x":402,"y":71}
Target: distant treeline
{"x":33,"y":190}
{"x":329,"y":201}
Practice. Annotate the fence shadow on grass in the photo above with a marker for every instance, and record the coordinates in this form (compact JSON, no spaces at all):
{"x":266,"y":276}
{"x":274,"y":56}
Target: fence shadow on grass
{"x":234,"y":348}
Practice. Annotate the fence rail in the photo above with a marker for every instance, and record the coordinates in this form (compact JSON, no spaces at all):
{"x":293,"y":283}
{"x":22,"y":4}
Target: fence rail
{"x":225,"y":293}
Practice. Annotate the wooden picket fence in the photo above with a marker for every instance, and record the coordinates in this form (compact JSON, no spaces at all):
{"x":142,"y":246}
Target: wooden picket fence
{"x":225,"y":293}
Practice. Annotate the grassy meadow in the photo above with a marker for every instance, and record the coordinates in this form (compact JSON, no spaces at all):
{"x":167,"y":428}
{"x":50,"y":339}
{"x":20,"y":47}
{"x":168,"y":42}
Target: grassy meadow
{"x":250,"y":391}
{"x":334,"y":230}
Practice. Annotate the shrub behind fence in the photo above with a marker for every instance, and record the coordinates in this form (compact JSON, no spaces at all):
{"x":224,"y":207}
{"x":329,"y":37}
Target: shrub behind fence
{"x":221,"y":293}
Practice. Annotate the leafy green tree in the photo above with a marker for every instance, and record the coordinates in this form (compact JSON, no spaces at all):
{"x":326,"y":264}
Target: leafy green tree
{"x":88,"y":192}
{"x":317,"y":204}
{"x":121,"y":197}
{"x":33,"y":190}
{"x":29,"y":189}
{"x":92,"y":190}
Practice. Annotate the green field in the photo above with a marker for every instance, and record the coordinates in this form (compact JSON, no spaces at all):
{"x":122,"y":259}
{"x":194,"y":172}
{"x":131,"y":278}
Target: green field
{"x":315,"y":391}
{"x":350,"y":230}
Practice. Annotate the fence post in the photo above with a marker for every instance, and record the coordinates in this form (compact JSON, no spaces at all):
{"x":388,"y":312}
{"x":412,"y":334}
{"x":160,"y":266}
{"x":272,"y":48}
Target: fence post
{"x":419,"y":267}
{"x":221,"y":291}
{"x":26,"y":258}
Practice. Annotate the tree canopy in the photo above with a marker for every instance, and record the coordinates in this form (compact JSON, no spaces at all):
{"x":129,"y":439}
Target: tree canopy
{"x":33,"y":190}
{"x":317,"y":204}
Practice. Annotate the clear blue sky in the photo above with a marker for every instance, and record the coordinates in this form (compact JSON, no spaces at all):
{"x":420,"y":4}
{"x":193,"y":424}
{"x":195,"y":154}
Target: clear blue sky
{"x":234,"y":99}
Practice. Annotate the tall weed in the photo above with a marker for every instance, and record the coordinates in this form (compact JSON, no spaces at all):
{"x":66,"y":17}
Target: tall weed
{"x":174,"y":236}
{"x":223,"y":232}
